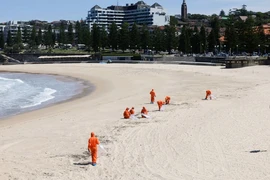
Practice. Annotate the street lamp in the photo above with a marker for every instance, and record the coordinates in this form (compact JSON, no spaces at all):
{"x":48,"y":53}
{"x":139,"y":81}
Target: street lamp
{"x":259,"y":49}
{"x":237,"y":48}
{"x":191,"y":49}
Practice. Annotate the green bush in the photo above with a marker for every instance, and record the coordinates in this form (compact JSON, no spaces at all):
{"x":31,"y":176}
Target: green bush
{"x":136,"y":57}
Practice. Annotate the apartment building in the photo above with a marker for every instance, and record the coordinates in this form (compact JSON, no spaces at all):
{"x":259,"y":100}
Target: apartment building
{"x":13,"y":26}
{"x":139,"y":13}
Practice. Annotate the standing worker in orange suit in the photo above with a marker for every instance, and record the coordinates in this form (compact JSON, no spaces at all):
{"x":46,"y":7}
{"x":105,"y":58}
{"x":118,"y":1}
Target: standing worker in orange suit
{"x":92,"y":147}
{"x":160,"y":104}
{"x":144,"y":111}
{"x":153,"y":95}
{"x":132,"y":111}
{"x":126,"y":113}
{"x":208,"y":94}
{"x":167,"y":99}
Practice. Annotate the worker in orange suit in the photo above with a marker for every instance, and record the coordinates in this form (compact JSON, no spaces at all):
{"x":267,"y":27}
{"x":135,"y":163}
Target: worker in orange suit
{"x":153,"y":95}
{"x":92,"y":147}
{"x":160,"y":104}
{"x":144,"y":111}
{"x":208,"y":94}
{"x":132,"y":111}
{"x":167,"y":99}
{"x":126,"y":113}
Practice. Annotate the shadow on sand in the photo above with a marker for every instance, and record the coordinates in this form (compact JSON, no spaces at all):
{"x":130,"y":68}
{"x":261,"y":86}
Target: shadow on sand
{"x":83,"y":163}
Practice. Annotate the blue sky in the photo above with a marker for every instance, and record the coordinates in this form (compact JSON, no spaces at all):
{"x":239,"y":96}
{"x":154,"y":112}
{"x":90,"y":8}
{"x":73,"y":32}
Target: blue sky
{"x":50,"y":10}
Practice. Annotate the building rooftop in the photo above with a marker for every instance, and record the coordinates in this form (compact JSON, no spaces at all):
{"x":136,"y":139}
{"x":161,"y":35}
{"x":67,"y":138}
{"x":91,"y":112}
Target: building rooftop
{"x":156,"y":5}
{"x":96,"y":7}
{"x":138,"y":5}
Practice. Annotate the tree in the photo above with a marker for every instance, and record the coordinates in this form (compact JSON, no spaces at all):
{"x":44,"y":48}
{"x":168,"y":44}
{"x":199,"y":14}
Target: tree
{"x":113,"y":36}
{"x":212,"y":42}
{"x":124,"y":37}
{"x":25,"y":35}
{"x":86,"y":36}
{"x":231,"y":37}
{"x":2,"y":40}
{"x":184,"y":40}
{"x":203,"y":41}
{"x":173,"y":21}
{"x":33,"y":37}
{"x":18,"y":39}
{"x":78,"y":32}
{"x":53,"y":38}
{"x":62,"y":34}
{"x":195,"y":41}
{"x":144,"y":37}
{"x":70,"y":34}
{"x":222,"y":13}
{"x":248,"y":35}
{"x":158,"y":37}
{"x":104,"y":38}
{"x":95,"y":38}
{"x":215,"y":24}
{"x":134,"y":37}
{"x":171,"y":42}
{"x":39,"y":37}
{"x":262,"y":37}
{"x":48,"y":37}
{"x":9,"y":39}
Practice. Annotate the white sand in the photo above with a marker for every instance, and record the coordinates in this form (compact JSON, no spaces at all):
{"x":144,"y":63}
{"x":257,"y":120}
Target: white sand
{"x":192,"y":139}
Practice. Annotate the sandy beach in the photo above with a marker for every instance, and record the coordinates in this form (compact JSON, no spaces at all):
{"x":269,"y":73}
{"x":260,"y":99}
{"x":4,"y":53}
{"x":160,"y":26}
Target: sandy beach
{"x":192,"y":139}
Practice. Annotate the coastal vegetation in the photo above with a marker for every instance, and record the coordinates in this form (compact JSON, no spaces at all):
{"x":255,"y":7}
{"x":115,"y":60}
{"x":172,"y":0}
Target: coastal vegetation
{"x":217,"y":33}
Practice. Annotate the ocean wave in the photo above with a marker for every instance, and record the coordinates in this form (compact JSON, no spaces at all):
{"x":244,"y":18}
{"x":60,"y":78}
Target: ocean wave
{"x":17,"y":80}
{"x":7,"y":84}
{"x":44,"y":96}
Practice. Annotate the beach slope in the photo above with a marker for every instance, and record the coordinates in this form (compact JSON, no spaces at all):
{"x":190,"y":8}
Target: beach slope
{"x":191,"y":139}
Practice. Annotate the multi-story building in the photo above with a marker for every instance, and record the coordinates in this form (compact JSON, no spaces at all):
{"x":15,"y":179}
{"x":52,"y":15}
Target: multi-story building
{"x":139,"y":13}
{"x":2,"y":29}
{"x":13,"y":27}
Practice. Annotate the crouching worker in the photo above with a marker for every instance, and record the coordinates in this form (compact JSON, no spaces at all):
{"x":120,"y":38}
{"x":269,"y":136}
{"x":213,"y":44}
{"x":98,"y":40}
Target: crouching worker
{"x":160,"y":104}
{"x":208,"y":94}
{"x":132,"y":111}
{"x":167,"y":99}
{"x":126,"y":113}
{"x":92,"y":147}
{"x":144,"y":111}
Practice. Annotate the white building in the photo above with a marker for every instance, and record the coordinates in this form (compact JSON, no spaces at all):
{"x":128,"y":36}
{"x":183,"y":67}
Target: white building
{"x":139,"y":13}
{"x":13,"y":26}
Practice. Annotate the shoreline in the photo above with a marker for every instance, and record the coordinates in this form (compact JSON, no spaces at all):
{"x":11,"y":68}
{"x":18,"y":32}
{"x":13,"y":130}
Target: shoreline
{"x":87,"y":89}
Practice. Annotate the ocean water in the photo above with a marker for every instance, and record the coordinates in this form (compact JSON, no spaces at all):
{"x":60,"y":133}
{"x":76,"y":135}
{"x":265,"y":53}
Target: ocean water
{"x":22,"y":92}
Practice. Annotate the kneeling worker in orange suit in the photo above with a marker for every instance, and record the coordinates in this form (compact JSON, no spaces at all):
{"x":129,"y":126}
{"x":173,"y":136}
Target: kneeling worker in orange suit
{"x":144,"y":111}
{"x":126,"y":113}
{"x":132,"y":111}
{"x":208,"y":94}
{"x":92,"y":147}
{"x":160,"y":104}
{"x":167,"y":99}
{"x":153,"y":95}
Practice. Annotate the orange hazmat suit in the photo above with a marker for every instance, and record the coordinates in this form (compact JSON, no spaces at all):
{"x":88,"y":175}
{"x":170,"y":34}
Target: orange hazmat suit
{"x":144,"y":111}
{"x":92,"y":147}
{"x":153,"y":95}
{"x":208,"y":94}
{"x":132,"y":111}
{"x":167,"y":99}
{"x":126,"y":113}
{"x":160,"y":103}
